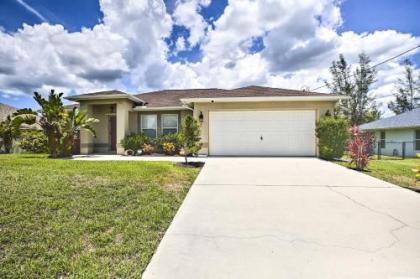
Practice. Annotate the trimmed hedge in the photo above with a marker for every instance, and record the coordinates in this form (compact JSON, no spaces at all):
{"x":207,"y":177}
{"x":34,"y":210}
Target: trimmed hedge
{"x":333,"y":134}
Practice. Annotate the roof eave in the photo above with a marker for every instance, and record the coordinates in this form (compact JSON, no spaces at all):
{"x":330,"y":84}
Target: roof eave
{"x":334,"y":98}
{"x":390,"y":128}
{"x":169,"y":108}
{"x":104,"y":97}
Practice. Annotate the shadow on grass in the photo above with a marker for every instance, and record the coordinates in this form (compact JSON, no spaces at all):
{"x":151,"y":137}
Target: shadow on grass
{"x":191,"y":164}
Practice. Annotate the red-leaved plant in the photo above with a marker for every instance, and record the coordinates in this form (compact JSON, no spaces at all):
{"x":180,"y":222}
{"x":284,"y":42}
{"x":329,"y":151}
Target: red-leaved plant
{"x":360,"y":147}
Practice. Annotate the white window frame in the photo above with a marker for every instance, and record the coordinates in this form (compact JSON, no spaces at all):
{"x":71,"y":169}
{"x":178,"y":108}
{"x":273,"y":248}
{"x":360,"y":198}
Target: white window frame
{"x":169,"y":114}
{"x":141,"y":122}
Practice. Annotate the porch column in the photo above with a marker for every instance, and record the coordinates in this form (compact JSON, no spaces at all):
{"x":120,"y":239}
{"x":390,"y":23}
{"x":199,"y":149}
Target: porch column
{"x":86,"y":138}
{"x":123,"y":127}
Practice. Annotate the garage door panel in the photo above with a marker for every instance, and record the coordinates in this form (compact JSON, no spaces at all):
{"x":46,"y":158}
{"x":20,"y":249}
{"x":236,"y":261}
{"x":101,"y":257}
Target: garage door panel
{"x":284,"y":133}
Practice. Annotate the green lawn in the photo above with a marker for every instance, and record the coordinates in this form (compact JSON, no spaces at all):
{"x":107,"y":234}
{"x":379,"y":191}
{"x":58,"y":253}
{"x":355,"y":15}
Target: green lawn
{"x":84,"y":219}
{"x":394,"y":170}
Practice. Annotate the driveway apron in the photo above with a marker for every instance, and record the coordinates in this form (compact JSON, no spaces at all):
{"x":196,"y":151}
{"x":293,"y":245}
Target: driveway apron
{"x":290,"y":218}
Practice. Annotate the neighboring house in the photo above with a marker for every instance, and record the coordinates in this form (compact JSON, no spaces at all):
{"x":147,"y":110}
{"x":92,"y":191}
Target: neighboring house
{"x":6,"y":110}
{"x":394,"y":132}
{"x":244,"y":121}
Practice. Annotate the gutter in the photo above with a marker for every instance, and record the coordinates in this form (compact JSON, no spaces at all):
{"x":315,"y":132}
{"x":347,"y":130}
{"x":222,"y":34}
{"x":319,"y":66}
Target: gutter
{"x":145,"y":108}
{"x":264,"y":99}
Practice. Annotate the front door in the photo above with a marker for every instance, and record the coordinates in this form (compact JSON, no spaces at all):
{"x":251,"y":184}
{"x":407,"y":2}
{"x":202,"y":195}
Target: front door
{"x":113,"y":133}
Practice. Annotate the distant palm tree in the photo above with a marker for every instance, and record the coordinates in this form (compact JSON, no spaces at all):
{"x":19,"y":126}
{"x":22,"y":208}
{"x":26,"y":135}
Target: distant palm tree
{"x":59,"y":126}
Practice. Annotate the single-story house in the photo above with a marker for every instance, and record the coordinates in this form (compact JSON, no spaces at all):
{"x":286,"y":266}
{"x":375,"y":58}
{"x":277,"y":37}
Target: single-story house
{"x":396,"y":133}
{"x":249,"y":121}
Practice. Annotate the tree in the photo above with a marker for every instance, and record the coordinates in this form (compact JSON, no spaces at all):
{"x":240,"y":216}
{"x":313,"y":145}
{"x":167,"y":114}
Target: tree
{"x":406,"y":90}
{"x":190,"y":136}
{"x":364,"y":77}
{"x":359,"y":106}
{"x":74,"y":122}
{"x":59,"y":126}
{"x":9,"y":131}
{"x":342,"y":84}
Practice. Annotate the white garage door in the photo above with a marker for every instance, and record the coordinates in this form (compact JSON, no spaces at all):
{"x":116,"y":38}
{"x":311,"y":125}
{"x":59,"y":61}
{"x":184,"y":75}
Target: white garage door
{"x":266,"y":133}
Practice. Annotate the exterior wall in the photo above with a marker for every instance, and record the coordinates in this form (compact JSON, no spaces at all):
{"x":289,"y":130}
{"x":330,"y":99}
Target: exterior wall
{"x":101,"y":141}
{"x":319,"y":107}
{"x":394,"y":139}
{"x":101,"y":109}
{"x":181,"y":114}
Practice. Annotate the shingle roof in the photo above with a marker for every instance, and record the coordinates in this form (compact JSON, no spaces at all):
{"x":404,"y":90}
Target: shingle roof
{"x":167,"y":98}
{"x":5,"y":110}
{"x":403,"y":120}
{"x":172,"y":97}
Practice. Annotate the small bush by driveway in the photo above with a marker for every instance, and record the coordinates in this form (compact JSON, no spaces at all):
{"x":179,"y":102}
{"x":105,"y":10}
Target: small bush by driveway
{"x":64,"y":218}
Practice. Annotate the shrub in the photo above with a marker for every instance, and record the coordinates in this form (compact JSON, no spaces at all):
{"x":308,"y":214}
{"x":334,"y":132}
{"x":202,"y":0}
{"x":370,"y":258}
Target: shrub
{"x":147,"y":149}
{"x":190,"y":136}
{"x":134,"y":142}
{"x":360,"y":147}
{"x":169,"y":138}
{"x":169,"y":148}
{"x":33,"y":141}
{"x":333,"y":134}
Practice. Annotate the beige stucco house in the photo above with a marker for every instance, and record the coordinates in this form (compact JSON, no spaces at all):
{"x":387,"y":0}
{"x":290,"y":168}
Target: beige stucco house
{"x":248,"y":121}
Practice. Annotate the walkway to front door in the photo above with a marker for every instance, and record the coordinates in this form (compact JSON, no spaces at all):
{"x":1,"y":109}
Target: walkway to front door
{"x":290,"y":218}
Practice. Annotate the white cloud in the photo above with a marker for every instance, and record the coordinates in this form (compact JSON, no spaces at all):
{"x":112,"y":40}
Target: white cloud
{"x":127,"y":49}
{"x":180,"y":44}
{"x":187,"y":14}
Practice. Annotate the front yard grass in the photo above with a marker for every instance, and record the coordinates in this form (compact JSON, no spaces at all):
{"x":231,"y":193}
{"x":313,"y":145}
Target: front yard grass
{"x":84,"y":219}
{"x":393,"y":170}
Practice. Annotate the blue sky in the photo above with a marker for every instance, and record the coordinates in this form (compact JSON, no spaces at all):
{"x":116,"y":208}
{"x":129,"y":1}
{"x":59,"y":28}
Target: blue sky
{"x":195,"y":58}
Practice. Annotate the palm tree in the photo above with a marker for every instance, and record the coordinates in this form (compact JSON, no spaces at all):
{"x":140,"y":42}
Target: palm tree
{"x":9,"y":131}
{"x":58,"y":125}
{"x":75,"y":121}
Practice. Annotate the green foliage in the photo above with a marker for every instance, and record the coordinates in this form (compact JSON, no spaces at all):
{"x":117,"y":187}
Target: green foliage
{"x":33,"y":141}
{"x":359,"y":107}
{"x":59,"y":126}
{"x":169,"y":138}
{"x":74,"y":122}
{"x":134,"y":141}
{"x":9,"y":131}
{"x":332,"y":134}
{"x":190,"y":136}
{"x":407,"y":89}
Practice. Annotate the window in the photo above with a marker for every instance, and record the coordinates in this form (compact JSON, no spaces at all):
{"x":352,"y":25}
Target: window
{"x":149,"y":124}
{"x":417,"y":139}
{"x":169,"y":123}
{"x":382,"y":141}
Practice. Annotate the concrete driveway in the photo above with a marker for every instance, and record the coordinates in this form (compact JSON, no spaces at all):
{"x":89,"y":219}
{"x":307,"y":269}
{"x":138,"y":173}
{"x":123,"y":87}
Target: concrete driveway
{"x":290,"y":218}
